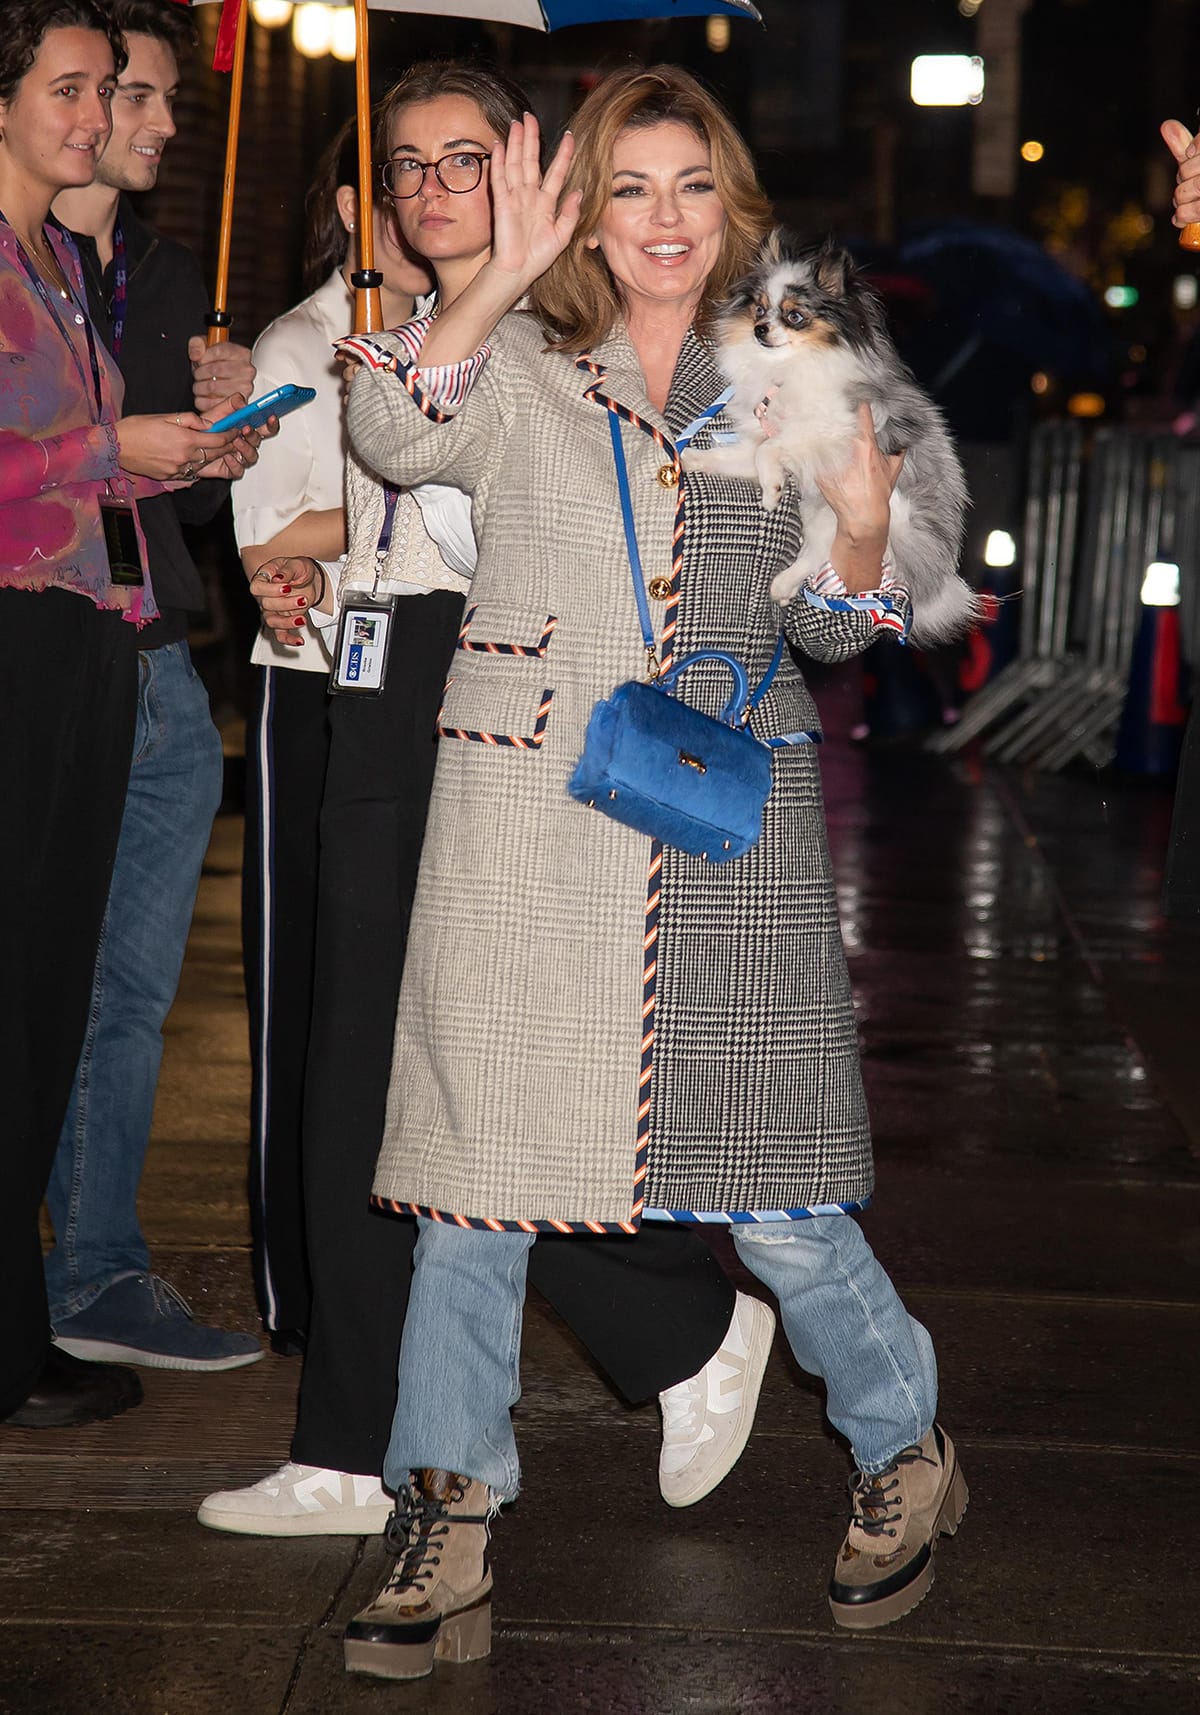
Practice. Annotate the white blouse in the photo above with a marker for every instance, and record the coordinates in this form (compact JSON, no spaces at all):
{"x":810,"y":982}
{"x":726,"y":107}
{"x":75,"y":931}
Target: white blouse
{"x":301,"y":469}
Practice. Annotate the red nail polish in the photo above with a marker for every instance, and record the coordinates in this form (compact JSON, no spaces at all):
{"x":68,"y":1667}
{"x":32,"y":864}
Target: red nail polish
{"x":297,"y":622}
{"x":300,"y":601}
{"x":286,"y":589}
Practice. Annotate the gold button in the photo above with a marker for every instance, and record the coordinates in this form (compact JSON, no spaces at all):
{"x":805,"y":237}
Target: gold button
{"x":660,"y":588}
{"x":668,"y":476}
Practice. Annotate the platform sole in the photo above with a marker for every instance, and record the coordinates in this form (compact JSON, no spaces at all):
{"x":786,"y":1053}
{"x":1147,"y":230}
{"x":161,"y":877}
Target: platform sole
{"x":463,"y":1637}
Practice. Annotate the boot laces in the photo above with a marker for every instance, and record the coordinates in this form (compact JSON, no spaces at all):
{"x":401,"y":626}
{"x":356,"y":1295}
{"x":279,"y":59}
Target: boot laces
{"x":877,"y":1501}
{"x":414,"y":1535}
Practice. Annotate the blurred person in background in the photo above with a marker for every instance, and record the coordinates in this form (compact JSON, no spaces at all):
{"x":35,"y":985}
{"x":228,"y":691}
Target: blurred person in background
{"x":74,"y":594}
{"x":146,"y":297}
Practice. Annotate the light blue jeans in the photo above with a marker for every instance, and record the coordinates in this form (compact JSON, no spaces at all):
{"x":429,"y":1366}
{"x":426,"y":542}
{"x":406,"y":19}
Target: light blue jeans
{"x":174,"y":791}
{"x":460,"y":1355}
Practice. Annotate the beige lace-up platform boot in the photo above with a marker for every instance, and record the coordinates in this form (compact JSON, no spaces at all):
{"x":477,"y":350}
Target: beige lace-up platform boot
{"x":886,"y":1562}
{"x":436,"y":1605}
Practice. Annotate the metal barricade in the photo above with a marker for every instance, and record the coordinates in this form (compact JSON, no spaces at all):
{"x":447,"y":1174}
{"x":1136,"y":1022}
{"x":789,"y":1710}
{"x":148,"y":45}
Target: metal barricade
{"x":1096,"y":517}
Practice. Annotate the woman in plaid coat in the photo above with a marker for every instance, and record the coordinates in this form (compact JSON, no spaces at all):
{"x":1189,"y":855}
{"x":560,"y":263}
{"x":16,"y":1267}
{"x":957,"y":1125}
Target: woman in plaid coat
{"x":595,"y":1029}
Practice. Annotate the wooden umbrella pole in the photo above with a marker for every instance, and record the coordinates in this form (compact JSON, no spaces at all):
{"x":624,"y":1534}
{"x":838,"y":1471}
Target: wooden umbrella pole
{"x":366,"y":279}
{"x":218,"y":320}
{"x":1189,"y":238}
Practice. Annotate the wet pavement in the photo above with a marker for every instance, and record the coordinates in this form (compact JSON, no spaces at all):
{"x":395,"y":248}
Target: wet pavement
{"x":1029,"y":1030}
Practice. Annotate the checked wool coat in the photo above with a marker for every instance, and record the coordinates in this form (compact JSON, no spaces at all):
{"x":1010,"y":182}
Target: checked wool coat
{"x":592,"y":1027}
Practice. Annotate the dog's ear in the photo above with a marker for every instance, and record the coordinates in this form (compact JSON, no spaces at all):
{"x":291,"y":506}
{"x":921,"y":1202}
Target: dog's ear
{"x":771,"y":253}
{"x":834,"y":269}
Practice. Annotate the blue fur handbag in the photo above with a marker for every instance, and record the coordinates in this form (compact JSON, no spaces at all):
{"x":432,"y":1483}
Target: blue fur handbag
{"x":650,"y":761}
{"x":686,"y":778}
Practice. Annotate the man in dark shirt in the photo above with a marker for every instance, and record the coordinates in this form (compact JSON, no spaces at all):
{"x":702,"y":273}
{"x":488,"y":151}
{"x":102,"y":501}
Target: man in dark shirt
{"x":147,"y":298}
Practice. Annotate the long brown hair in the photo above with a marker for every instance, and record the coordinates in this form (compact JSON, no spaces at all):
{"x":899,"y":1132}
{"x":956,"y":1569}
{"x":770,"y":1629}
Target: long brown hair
{"x":577,"y":299}
{"x":325,"y":237}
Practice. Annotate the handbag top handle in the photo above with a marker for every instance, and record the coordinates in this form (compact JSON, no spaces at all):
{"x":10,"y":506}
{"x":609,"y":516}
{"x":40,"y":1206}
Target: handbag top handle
{"x":748,"y":703}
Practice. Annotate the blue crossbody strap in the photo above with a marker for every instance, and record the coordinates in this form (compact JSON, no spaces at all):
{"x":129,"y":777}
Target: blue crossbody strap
{"x":635,"y":558}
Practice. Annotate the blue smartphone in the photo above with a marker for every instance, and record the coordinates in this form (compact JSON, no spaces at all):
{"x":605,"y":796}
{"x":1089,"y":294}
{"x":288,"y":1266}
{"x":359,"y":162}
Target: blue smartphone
{"x":256,"y":413}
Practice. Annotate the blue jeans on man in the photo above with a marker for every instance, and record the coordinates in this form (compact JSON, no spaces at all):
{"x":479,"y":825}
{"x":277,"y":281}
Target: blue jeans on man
{"x":104,"y":1301}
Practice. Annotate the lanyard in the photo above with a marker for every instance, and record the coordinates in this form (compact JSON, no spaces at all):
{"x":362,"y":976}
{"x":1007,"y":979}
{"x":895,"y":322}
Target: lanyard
{"x":635,"y":558}
{"x":39,"y":287}
{"x":390,"y":497}
{"x":120,"y":297}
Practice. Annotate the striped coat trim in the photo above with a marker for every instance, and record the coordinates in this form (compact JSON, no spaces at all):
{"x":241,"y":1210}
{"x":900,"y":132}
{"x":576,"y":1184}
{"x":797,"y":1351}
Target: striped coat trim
{"x":754,"y":1217}
{"x":536,"y":652}
{"x":485,"y":1224}
{"x":514,"y":741}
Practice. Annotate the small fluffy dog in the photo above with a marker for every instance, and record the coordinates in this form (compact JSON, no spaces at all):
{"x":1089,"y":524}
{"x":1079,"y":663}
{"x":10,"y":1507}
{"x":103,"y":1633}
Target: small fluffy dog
{"x":804,"y":343}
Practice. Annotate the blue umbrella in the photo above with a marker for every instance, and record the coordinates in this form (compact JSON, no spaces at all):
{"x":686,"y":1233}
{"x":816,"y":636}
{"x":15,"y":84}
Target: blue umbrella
{"x":1005,"y":290}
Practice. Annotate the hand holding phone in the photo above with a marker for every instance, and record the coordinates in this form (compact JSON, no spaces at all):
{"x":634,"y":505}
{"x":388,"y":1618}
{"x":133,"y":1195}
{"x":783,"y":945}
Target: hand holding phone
{"x":258,"y":412}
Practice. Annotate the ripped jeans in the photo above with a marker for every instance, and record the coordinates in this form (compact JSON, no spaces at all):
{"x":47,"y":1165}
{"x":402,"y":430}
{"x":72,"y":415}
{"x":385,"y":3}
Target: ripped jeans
{"x":845,"y":1323}
{"x":460,"y":1355}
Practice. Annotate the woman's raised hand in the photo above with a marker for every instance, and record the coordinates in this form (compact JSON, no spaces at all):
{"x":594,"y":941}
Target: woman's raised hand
{"x":529,"y":228}
{"x":1182,"y":145}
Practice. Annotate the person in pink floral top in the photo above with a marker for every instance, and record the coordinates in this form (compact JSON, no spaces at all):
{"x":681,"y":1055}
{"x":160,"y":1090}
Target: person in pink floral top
{"x":72,"y":597}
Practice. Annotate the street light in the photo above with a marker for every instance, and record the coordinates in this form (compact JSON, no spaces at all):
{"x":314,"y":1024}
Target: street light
{"x":271,"y":14}
{"x":312,"y":29}
{"x":946,"y":80}
{"x":343,"y":34}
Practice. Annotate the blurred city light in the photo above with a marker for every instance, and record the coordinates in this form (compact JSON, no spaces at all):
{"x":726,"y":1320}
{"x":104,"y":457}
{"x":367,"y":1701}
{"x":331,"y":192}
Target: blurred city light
{"x":1184,"y":291}
{"x":312,"y":29}
{"x":1033,"y":150}
{"x":1160,"y":587}
{"x":1040,"y":381}
{"x":1121,"y":297}
{"x":271,"y":14}
{"x":1000,"y":549}
{"x":343,"y":35}
{"x":1086,"y":405}
{"x":716,"y":34}
{"x":946,"y":80}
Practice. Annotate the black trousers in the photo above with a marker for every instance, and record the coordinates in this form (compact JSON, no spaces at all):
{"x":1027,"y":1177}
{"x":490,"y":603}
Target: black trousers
{"x":287,"y":747}
{"x":68,"y":701}
{"x":650,"y":1309}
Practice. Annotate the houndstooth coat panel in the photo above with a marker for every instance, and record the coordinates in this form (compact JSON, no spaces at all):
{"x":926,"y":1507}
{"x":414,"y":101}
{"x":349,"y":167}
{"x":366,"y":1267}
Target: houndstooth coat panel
{"x":591,"y":1025}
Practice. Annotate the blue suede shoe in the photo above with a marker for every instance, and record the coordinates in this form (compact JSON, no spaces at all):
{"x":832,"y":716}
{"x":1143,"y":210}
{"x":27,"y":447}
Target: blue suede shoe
{"x":141,"y":1319}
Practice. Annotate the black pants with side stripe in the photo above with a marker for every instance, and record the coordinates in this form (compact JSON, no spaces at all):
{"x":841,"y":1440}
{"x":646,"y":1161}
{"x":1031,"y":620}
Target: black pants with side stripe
{"x":287,"y":748}
{"x":651,"y":1309}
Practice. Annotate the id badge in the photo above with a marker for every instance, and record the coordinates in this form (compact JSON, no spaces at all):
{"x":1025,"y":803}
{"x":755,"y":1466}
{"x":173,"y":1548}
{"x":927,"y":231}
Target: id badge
{"x":364,"y":637}
{"x":121,"y":542}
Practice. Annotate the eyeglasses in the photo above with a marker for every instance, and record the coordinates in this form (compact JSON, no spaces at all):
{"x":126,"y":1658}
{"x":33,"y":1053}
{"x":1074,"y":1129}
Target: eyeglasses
{"x":403,"y":176}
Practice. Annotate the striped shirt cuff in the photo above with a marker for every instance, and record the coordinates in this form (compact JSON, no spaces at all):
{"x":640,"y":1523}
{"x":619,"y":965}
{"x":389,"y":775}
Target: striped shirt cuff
{"x":827,"y":581}
{"x":444,"y":385}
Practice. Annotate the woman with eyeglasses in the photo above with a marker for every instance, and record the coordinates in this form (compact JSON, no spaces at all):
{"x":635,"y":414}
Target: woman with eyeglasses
{"x":654,"y":1311}
{"x":292,"y":503}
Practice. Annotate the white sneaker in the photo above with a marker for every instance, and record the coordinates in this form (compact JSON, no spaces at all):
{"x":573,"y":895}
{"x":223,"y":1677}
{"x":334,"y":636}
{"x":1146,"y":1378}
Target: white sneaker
{"x":708,"y":1418}
{"x":301,"y":1500}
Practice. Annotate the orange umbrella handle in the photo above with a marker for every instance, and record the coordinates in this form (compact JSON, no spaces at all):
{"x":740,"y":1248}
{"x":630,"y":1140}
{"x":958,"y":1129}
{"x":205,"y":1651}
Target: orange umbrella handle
{"x":1189,"y":238}
{"x":366,"y":278}
{"x":218,"y":320}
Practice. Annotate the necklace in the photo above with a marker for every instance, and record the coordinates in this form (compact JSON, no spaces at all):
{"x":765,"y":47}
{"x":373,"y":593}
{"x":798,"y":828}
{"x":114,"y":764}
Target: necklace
{"x":48,"y":266}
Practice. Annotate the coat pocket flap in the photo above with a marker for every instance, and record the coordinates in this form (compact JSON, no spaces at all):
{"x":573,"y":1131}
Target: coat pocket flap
{"x":509,"y":709}
{"x":495,"y":628}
